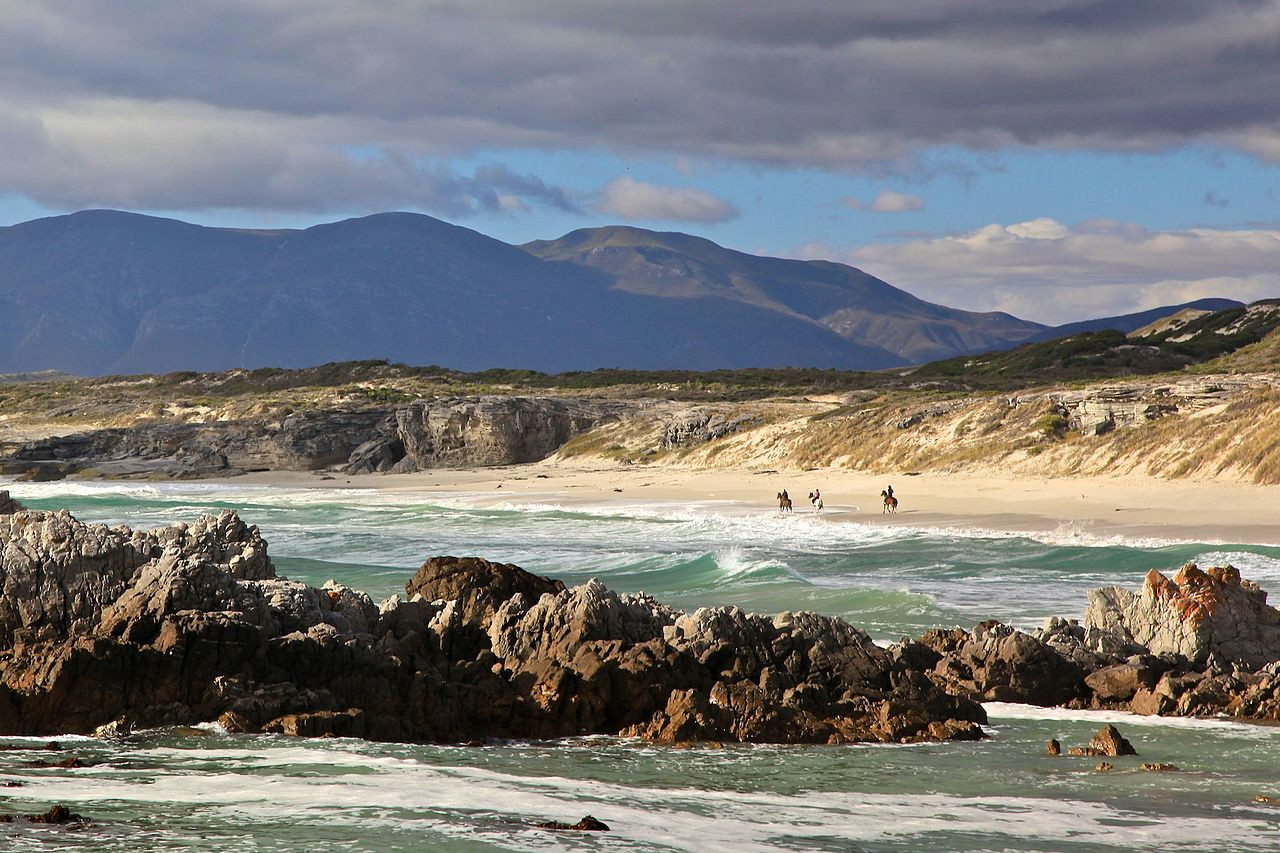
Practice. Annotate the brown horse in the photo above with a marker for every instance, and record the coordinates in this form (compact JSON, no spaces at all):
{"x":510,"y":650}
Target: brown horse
{"x":784,"y":503}
{"x":890,"y":503}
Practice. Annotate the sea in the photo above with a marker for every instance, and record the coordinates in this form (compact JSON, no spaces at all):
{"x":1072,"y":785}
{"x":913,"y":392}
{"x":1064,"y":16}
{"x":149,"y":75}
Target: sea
{"x":203,"y":789}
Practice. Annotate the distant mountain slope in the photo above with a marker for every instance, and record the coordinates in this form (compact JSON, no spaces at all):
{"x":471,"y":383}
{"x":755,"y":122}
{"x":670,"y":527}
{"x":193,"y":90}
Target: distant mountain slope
{"x":855,"y":305}
{"x":1237,"y":338}
{"x":1131,"y":322}
{"x":108,"y":292}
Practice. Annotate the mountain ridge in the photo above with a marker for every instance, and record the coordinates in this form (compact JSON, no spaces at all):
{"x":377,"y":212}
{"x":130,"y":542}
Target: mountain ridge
{"x":103,"y":291}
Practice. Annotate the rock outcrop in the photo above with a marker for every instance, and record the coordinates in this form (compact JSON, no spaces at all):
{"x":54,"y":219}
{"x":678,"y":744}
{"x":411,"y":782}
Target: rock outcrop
{"x":697,"y":426}
{"x":424,"y":434}
{"x":1097,"y":410}
{"x":1197,"y":614}
{"x":108,"y":626}
{"x":476,"y":431}
{"x":8,"y":506}
{"x":998,"y":663}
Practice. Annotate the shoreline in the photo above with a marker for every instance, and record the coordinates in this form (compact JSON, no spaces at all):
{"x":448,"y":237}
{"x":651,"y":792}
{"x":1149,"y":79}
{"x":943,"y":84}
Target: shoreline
{"x":1128,"y":508}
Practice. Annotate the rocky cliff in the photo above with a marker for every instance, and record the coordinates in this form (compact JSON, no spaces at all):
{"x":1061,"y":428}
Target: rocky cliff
{"x":423,"y":434}
{"x":109,"y":626}
{"x":469,"y":431}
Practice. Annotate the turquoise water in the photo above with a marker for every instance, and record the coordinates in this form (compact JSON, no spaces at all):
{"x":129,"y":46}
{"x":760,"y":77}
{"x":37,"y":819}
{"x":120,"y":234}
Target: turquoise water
{"x":203,"y":790}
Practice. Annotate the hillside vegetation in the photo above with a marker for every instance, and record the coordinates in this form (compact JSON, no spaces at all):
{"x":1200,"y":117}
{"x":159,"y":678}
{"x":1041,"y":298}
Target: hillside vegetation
{"x":1195,"y":395}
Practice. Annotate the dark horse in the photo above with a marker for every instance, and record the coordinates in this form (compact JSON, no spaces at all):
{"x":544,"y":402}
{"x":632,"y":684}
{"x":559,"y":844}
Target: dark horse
{"x":784,"y":503}
{"x":890,"y":503}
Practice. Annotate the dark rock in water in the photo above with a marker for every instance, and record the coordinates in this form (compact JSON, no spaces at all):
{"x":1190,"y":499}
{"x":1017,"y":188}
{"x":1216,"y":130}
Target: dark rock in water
{"x":1108,"y":741}
{"x":349,"y":723}
{"x":1159,"y":767}
{"x":189,"y":624}
{"x":57,"y":814}
{"x":587,"y":824}
{"x":1268,"y":800}
{"x":1104,"y":766}
{"x":68,"y":763}
{"x":1053,"y":749}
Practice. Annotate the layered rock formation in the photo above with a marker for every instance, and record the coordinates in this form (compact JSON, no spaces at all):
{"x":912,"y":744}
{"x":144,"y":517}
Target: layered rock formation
{"x":189,"y":623}
{"x":423,"y":434}
{"x":476,"y":431}
{"x":1097,"y":410}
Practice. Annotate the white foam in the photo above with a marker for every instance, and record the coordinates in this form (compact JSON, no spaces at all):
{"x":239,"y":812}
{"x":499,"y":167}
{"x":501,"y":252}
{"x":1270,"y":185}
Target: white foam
{"x":499,"y":807}
{"x":1015,"y":711}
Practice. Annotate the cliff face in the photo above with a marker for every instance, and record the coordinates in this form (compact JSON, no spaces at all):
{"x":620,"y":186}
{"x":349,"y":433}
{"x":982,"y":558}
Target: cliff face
{"x":189,"y":624}
{"x":425,"y":434}
{"x":477,"y":431}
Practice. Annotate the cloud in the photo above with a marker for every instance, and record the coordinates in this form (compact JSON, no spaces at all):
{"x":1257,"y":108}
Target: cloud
{"x":888,"y":202}
{"x":189,"y":156}
{"x":1047,"y":271}
{"x":632,"y":199}
{"x":1216,"y":199}
{"x":808,"y":83}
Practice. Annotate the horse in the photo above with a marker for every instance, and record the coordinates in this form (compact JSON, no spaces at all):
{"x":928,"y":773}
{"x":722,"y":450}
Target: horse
{"x":890,"y":503}
{"x":784,"y":503}
{"x":816,"y":500}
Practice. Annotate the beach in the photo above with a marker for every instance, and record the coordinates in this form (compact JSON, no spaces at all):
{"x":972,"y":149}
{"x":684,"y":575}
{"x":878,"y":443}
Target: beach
{"x":1130,"y":507}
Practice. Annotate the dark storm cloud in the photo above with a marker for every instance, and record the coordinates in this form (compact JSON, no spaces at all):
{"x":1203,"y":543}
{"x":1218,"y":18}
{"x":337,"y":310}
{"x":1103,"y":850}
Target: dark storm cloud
{"x":277,"y":88}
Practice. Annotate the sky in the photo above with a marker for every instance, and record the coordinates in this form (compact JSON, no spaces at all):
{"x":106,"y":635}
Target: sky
{"x":1057,"y":159}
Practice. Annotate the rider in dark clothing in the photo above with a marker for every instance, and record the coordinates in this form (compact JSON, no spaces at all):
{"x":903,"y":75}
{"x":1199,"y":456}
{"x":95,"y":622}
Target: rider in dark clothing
{"x":888,"y":490}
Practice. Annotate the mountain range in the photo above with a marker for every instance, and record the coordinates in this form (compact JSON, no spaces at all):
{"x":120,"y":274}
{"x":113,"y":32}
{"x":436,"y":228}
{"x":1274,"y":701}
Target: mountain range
{"x":104,"y":291}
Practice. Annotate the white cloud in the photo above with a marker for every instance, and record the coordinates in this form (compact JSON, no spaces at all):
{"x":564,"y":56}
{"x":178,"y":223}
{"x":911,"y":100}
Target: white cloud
{"x":632,"y":199}
{"x":888,"y":201}
{"x":1047,"y":271}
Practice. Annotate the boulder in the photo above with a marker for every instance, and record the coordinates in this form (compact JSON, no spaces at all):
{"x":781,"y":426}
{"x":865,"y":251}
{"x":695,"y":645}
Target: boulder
{"x":477,"y":586}
{"x":8,"y":506}
{"x":1109,"y":741}
{"x":1194,"y":615}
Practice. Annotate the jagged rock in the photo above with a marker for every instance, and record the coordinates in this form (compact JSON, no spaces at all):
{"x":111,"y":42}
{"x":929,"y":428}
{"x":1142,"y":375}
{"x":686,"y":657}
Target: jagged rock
{"x":478,"y":586}
{"x":57,"y":814}
{"x":1108,"y":741}
{"x":998,"y":663}
{"x":1103,"y":766}
{"x":8,"y":506}
{"x":1119,"y":682}
{"x":189,"y":624}
{"x":1053,"y":749}
{"x":1159,"y":767}
{"x":1195,"y":615}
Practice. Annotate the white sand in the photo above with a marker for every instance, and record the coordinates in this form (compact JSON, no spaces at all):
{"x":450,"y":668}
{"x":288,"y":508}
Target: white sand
{"x":1130,"y":507}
